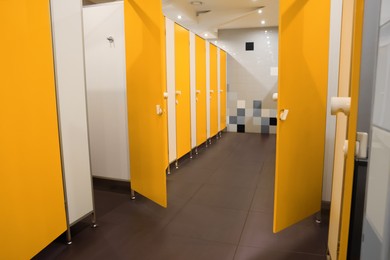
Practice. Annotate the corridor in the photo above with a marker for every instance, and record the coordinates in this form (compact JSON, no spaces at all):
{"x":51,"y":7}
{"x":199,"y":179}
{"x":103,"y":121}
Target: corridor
{"x":220,"y":206}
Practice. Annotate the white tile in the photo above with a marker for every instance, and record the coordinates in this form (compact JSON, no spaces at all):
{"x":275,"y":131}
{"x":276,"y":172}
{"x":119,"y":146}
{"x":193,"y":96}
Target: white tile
{"x":240,"y":103}
{"x":232,"y":128}
{"x":272,"y":129}
{"x":265,"y":113}
{"x":256,"y":120}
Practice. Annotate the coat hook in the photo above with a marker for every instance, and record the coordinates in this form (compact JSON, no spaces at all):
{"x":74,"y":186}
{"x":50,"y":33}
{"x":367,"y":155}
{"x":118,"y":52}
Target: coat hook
{"x":110,"y":39}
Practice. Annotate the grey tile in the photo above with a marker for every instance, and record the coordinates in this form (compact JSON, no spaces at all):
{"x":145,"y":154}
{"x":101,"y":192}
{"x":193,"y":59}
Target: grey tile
{"x":232,"y":120}
{"x":265,"y":121}
{"x":240,"y":120}
{"x":208,"y":223}
{"x":264,"y":129}
{"x":257,"y":104}
{"x":256,"y":112}
{"x":240,"y":111}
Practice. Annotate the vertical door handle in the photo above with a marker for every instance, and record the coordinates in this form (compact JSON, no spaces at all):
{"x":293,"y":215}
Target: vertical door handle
{"x":340,"y":104}
{"x":283,"y":114}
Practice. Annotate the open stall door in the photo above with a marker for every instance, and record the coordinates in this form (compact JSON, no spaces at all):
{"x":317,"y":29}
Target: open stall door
{"x":182,"y":83}
{"x":32,"y":195}
{"x":145,"y":65}
{"x":343,"y":166}
{"x":303,"y":73}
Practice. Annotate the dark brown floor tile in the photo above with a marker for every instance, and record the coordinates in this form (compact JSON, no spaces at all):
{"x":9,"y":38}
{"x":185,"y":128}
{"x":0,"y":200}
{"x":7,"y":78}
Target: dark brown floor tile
{"x":224,"y":197}
{"x":263,"y":200}
{"x":304,"y":237}
{"x":171,"y":247}
{"x":235,"y":177}
{"x":191,"y":173}
{"x":255,"y":253}
{"x":208,"y":223}
{"x":181,"y":190}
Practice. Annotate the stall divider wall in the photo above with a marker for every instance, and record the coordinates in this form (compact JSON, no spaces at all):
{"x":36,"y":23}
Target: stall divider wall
{"x":170,"y":88}
{"x":72,"y":108}
{"x":106,"y":90}
{"x":193,"y":89}
{"x":201,"y":124}
{"x":223,"y":90}
{"x":182,"y":84}
{"x":32,"y":198}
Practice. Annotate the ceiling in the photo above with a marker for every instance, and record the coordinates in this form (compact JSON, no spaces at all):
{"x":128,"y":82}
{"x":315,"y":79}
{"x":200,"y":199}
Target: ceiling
{"x":209,"y":16}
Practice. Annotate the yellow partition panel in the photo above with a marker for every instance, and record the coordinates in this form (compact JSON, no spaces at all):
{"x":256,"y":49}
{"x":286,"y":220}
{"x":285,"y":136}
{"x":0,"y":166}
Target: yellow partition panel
{"x":144,"y":37}
{"x":352,"y":125}
{"x":213,"y":91}
{"x":32,"y":200}
{"x":303,"y":73}
{"x":223,"y":89}
{"x":182,"y":83}
{"x":200,"y":52}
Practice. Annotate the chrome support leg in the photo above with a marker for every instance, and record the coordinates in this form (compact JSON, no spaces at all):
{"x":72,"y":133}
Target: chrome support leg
{"x":318,"y":217}
{"x":68,"y":237}
{"x":169,"y":170}
{"x":177,"y":164}
{"x":94,"y":225}
{"x":210,"y":141}
{"x":196,"y":150}
{"x":132,"y":194}
{"x":191,"y":154}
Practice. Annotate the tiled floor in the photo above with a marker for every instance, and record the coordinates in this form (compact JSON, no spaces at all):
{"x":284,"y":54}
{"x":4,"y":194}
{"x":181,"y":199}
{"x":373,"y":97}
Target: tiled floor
{"x":220,"y":207}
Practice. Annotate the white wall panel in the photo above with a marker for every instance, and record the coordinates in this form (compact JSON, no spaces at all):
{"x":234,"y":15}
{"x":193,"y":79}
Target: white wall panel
{"x":385,"y":12}
{"x":333,"y":76}
{"x":106,"y":90}
{"x":71,"y":97}
{"x":193,"y":89}
{"x":208,"y":89}
{"x":171,"y":88}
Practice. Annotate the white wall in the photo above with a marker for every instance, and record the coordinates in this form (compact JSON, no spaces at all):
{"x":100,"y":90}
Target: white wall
{"x":106,"y":90}
{"x":71,"y":102}
{"x":251,"y":76}
{"x":171,"y":87}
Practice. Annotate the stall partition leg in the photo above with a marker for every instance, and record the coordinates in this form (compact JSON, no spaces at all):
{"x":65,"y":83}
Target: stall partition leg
{"x":132,"y":194}
{"x":94,"y":225}
{"x":196,"y":150}
{"x":177,"y":164}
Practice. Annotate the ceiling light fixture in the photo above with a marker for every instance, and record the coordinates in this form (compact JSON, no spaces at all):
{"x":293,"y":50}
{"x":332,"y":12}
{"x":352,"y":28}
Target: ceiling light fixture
{"x":205,"y":35}
{"x":262,"y":22}
{"x":259,"y":11}
{"x":179,"y":17}
{"x":196,"y":2}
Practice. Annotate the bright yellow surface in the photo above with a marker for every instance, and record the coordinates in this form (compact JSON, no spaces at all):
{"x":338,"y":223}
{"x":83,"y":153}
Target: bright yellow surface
{"x":303,"y":72}
{"x":144,"y":34}
{"x":182,"y":82}
{"x":32,"y":212}
{"x":223,"y":89}
{"x":213,"y":91}
{"x":352,"y":125}
{"x":341,"y":128}
{"x":200,"y":52}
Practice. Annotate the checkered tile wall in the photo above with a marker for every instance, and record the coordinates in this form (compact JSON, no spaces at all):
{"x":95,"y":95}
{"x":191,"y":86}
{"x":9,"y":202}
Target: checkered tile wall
{"x":251,"y":117}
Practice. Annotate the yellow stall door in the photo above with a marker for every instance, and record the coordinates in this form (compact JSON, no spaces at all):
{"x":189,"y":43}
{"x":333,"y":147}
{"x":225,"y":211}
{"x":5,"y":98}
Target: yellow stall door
{"x":213,"y":91}
{"x":303,"y":73}
{"x":145,"y":68}
{"x":200,"y":63}
{"x":182,"y":82}
{"x":222,"y":90}
{"x":32,"y":211}
{"x":343,"y":166}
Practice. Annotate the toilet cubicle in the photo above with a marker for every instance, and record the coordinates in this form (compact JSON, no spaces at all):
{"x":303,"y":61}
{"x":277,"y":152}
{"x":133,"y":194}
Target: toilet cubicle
{"x":200,"y":70}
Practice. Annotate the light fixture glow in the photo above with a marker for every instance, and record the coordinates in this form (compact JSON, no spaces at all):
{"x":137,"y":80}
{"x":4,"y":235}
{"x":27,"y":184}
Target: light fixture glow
{"x":262,"y":22}
{"x":205,"y":35}
{"x":179,"y":17}
{"x":259,"y":11}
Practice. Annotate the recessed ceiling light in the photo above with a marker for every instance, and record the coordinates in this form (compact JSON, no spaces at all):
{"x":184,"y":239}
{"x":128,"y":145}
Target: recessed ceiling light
{"x":205,"y":35}
{"x":262,"y":22}
{"x":179,"y":17}
{"x":196,"y":2}
{"x":259,"y":11}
